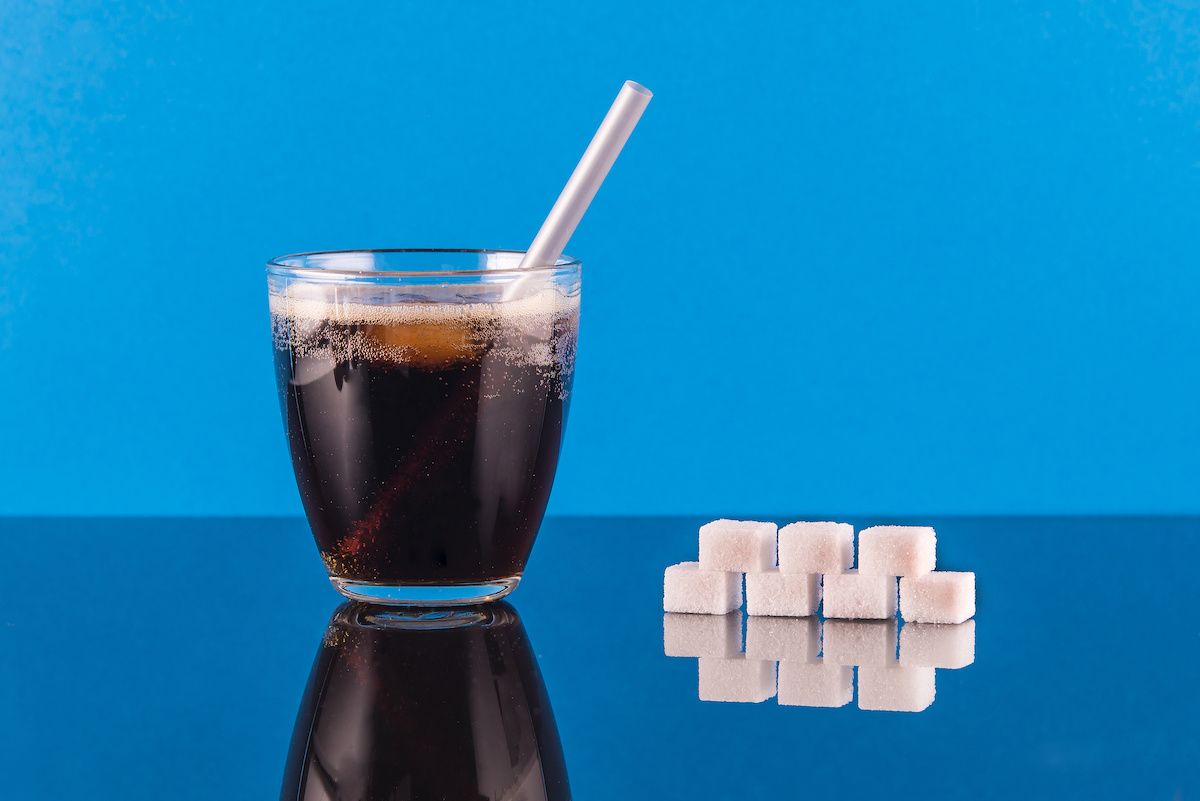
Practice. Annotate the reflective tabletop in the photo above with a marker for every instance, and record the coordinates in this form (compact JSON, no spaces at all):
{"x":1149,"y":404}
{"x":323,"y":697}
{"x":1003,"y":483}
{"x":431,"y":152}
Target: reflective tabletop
{"x":210,"y":658}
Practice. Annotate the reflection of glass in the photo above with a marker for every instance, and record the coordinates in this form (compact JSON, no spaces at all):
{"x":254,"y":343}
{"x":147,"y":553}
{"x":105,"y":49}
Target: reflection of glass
{"x":430,"y":704}
{"x":805,"y":663}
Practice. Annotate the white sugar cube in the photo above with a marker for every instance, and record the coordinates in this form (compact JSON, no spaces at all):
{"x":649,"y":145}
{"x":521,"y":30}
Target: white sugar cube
{"x":853,"y":595}
{"x":738,"y":679}
{"x":687,"y":588}
{"x":940,"y":597}
{"x":782,"y":595}
{"x":739,"y":546}
{"x":816,"y":547}
{"x":702,"y":635}
{"x":815,"y":684}
{"x":939,"y":645}
{"x":860,"y":642}
{"x":896,"y":550}
{"x":895,"y":689}
{"x":783,"y":639}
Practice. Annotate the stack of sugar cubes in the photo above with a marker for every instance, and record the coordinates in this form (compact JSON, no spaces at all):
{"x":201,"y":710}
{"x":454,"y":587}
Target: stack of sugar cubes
{"x":816,"y":557}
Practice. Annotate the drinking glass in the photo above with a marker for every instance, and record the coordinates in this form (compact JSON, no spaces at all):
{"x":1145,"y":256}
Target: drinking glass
{"x":425,"y":396}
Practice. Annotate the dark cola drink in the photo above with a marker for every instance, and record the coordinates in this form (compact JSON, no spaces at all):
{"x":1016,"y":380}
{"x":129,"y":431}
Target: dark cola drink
{"x":425,"y":436}
{"x":401,"y":710}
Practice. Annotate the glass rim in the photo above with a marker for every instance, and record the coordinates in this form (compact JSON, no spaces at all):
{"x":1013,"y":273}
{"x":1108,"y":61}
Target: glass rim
{"x":278,"y":265}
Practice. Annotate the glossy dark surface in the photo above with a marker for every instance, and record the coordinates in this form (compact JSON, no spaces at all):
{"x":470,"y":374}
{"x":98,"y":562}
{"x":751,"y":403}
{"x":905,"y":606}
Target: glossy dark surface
{"x":147,"y":659}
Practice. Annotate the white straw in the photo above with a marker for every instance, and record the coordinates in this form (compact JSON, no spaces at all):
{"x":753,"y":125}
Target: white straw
{"x":550,"y":241}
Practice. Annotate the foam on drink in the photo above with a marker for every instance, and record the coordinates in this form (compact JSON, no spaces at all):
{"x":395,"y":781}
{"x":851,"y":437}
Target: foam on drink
{"x":539,"y":329}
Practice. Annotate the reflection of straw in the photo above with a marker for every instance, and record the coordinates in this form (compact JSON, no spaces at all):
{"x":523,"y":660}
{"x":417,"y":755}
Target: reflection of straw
{"x":610,"y":137}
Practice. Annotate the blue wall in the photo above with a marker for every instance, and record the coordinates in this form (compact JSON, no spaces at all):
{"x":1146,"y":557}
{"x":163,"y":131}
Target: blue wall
{"x":890,"y":258}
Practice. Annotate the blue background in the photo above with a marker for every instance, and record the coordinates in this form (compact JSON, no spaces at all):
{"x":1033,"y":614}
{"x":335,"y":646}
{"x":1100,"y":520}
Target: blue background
{"x":938,"y":257}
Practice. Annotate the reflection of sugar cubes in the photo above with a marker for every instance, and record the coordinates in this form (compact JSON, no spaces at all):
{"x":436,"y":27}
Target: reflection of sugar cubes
{"x":939,"y":645}
{"x":815,"y":684}
{"x":738,"y":679}
{"x":896,"y":550}
{"x":702,"y":635}
{"x":940,"y":597}
{"x":853,"y":595}
{"x":782,"y":594}
{"x":860,"y":642}
{"x":739,"y":546}
{"x":687,"y":588}
{"x":895,"y":689}
{"x":816,"y":547}
{"x":783,"y":638}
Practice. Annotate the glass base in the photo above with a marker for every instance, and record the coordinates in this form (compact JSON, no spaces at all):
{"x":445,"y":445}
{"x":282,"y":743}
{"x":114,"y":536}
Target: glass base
{"x":426,"y":594}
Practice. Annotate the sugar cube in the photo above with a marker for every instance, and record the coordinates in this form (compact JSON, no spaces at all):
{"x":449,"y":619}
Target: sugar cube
{"x":815,"y":684}
{"x":702,"y":635}
{"x":737,"y":679}
{"x":860,"y":642}
{"x":687,"y":588}
{"x":782,"y":594}
{"x":816,"y":547}
{"x":739,"y":546}
{"x":939,"y":645}
{"x":943,"y":596}
{"x":895,"y":689}
{"x":854,"y":595}
{"x":896,"y":550}
{"x":783,"y":639}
